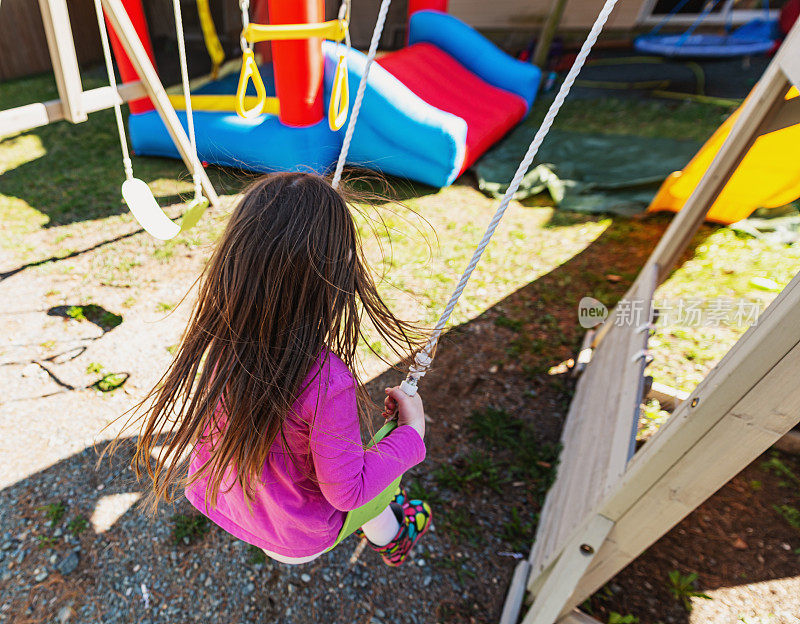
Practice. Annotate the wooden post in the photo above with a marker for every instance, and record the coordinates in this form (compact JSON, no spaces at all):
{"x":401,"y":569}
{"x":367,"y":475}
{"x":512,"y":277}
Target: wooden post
{"x":119,"y":20}
{"x":516,"y":593}
{"x":548,"y":32}
{"x":567,"y":572}
{"x":58,"y":31}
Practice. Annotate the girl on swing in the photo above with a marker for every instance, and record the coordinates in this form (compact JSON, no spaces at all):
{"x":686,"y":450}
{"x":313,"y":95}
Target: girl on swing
{"x":263,"y":393}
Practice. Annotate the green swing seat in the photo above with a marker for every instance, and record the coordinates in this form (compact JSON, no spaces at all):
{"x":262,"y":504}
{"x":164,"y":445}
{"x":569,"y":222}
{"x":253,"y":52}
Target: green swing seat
{"x":358,"y":516}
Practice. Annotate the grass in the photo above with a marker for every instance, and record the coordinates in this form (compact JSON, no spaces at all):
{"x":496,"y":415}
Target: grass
{"x":96,"y":314}
{"x":46,"y":541}
{"x":460,"y":524}
{"x":618,"y":618}
{"x":789,"y":513}
{"x":458,"y":566}
{"x":110,"y":382}
{"x":687,"y":120}
{"x":683,"y":588}
{"x":189,"y":529}
{"x":54,"y":512}
{"x":722,"y":265}
{"x":779,"y":468}
{"x":474,"y":469}
{"x":94,"y":368}
{"x":509,"y":450}
{"x":516,"y":532}
{"x":495,"y":426}
{"x":256,"y":555}
{"x":77,"y":525}
{"x":418,"y":249}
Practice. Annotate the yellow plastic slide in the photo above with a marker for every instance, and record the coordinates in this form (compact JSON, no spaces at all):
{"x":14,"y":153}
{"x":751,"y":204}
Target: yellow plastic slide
{"x":768,"y":177}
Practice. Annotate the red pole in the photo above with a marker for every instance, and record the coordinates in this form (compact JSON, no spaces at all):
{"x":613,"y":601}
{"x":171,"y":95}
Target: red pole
{"x":298,"y":64}
{"x":421,"y":5}
{"x":259,"y":14}
{"x":126,"y":71}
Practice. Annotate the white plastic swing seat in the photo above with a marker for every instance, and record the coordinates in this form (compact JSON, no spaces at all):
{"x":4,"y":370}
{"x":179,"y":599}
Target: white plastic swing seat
{"x":148,"y":213}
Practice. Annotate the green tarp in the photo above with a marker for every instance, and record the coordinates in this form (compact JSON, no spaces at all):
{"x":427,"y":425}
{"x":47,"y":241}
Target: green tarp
{"x":586,"y":172}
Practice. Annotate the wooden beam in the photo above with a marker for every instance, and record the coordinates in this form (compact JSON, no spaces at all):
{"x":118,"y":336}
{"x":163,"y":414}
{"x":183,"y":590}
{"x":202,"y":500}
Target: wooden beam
{"x":567,"y":572}
{"x":788,"y":115}
{"x":58,"y":31}
{"x":578,"y":617}
{"x":748,"y":402}
{"x":549,"y":29}
{"x":599,"y":433}
{"x":516,"y":594}
{"x":23,"y":118}
{"x":121,"y":23}
{"x":790,"y":63}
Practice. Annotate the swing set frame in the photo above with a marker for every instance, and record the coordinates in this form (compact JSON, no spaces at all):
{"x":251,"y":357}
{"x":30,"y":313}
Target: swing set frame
{"x":75,"y":104}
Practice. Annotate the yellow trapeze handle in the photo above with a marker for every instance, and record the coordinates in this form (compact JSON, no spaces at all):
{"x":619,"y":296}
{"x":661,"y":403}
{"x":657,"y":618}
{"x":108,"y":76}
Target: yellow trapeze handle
{"x":340,"y":96}
{"x":224,"y":103}
{"x":210,"y":37}
{"x":250,"y":73}
{"x":334,"y":30}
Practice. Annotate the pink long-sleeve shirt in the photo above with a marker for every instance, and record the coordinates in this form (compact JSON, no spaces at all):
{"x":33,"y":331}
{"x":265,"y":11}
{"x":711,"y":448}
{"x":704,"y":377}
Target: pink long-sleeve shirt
{"x":301,"y":503}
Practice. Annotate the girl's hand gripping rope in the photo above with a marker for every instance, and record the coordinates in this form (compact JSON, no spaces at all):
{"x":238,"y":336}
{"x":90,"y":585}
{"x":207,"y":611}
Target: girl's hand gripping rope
{"x":409,"y":410}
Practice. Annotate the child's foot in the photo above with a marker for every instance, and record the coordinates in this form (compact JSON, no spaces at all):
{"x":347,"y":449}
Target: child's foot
{"x":415,"y":523}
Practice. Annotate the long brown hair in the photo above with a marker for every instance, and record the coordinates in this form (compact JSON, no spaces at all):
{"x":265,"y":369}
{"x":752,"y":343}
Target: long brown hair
{"x":287,"y":280}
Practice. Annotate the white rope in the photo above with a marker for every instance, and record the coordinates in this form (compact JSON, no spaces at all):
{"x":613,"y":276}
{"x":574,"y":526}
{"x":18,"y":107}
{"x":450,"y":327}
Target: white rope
{"x":187,"y":97}
{"x":362,"y":87}
{"x":424,"y":358}
{"x":112,"y":81}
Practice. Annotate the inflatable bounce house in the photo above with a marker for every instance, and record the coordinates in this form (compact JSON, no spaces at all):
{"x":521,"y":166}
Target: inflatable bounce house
{"x":429,"y":111}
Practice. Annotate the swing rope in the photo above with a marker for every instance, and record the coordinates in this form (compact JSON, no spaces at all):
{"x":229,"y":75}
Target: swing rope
{"x":362,"y":87}
{"x":112,"y":81}
{"x":423,"y":358}
{"x":198,"y":187}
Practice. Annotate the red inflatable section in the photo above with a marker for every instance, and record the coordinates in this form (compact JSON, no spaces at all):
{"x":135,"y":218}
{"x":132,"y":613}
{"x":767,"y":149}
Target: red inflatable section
{"x":443,"y":82}
{"x":298,"y":63}
{"x":126,"y":70}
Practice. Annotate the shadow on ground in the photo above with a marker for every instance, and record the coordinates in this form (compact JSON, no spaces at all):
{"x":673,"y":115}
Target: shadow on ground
{"x":124,"y":566}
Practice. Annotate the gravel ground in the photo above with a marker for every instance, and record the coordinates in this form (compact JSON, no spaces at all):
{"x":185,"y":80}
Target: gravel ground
{"x":124,"y":566}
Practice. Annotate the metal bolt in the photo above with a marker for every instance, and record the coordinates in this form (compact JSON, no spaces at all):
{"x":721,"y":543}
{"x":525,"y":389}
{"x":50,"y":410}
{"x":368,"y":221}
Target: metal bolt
{"x":586,"y":549}
{"x":695,"y":401}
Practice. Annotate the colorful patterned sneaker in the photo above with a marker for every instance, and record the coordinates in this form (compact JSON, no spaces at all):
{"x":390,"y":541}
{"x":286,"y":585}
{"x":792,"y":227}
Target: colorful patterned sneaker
{"x":416,"y":521}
